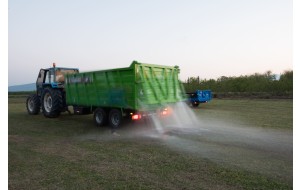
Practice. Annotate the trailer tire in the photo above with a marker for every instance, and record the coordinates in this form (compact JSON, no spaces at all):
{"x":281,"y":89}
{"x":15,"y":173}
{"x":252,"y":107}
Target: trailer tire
{"x":115,"y":118}
{"x":100,"y":117}
{"x":52,"y":102}
{"x":33,"y":104}
{"x":195,"y":104}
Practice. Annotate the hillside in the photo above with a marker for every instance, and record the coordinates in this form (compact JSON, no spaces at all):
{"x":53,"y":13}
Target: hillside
{"x":23,"y":87}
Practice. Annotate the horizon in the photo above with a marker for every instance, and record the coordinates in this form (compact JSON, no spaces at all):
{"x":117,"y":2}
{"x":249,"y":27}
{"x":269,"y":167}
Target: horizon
{"x":275,"y":74}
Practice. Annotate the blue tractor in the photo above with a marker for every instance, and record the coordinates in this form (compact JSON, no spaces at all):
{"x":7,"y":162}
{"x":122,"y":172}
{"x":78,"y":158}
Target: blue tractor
{"x":50,"y":94}
{"x":200,"y":96}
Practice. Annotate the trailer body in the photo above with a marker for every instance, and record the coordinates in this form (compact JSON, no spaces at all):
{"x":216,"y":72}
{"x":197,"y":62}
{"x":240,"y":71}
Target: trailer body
{"x":137,"y":89}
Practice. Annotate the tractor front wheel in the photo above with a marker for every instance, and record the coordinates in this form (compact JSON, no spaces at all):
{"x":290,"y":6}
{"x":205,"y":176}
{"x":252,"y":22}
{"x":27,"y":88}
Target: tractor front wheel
{"x":33,"y":104}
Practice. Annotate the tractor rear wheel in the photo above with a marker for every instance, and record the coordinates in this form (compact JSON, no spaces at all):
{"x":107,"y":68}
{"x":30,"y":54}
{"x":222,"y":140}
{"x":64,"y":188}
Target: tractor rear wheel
{"x":52,"y":102}
{"x":33,"y":104}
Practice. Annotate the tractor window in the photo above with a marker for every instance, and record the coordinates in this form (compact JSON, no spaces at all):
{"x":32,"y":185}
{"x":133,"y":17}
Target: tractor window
{"x":41,"y":76}
{"x":61,"y":72}
{"x":49,"y":77}
{"x":59,"y":76}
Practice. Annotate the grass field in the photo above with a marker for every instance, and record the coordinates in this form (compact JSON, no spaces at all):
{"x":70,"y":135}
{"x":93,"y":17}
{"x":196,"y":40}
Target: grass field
{"x":237,"y":144}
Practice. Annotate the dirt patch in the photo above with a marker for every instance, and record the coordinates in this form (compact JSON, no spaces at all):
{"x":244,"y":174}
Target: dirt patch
{"x":17,"y":138}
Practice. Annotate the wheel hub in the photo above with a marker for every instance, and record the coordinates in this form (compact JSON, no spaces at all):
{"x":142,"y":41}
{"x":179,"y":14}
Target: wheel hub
{"x":48,"y":102}
{"x":115,"y":119}
{"x":99,"y":117}
{"x":30,"y":105}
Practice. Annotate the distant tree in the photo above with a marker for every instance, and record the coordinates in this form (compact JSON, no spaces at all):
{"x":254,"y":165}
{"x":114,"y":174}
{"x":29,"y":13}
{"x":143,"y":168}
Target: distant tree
{"x":256,"y":83}
{"x":286,"y":81}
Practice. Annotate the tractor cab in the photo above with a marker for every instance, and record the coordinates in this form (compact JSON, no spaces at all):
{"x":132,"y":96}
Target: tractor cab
{"x":52,"y":77}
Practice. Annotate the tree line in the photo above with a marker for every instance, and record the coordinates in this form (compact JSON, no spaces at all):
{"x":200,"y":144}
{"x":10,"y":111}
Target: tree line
{"x":264,"y":85}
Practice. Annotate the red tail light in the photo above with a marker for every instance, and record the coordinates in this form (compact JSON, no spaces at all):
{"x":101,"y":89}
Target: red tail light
{"x":136,"y":117}
{"x":164,"y":112}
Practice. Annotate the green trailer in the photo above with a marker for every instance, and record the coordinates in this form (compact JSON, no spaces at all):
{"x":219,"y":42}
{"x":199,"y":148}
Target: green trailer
{"x":111,"y":95}
{"x":124,"y":92}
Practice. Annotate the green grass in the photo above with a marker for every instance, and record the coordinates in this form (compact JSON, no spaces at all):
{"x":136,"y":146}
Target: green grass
{"x":266,"y":113}
{"x":70,"y":153}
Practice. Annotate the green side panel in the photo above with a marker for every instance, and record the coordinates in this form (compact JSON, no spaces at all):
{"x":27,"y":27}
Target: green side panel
{"x":157,"y":86}
{"x":139,"y":87}
{"x":108,"y":88}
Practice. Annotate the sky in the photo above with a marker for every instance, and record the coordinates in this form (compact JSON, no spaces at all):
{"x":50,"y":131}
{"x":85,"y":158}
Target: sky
{"x":204,"y":38}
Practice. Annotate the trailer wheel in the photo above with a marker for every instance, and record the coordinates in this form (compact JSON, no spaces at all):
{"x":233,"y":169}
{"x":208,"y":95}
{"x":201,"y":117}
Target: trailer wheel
{"x":115,"y":118}
{"x":195,"y":104}
{"x":33,"y":104}
{"x":52,"y":102}
{"x":100,"y":117}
